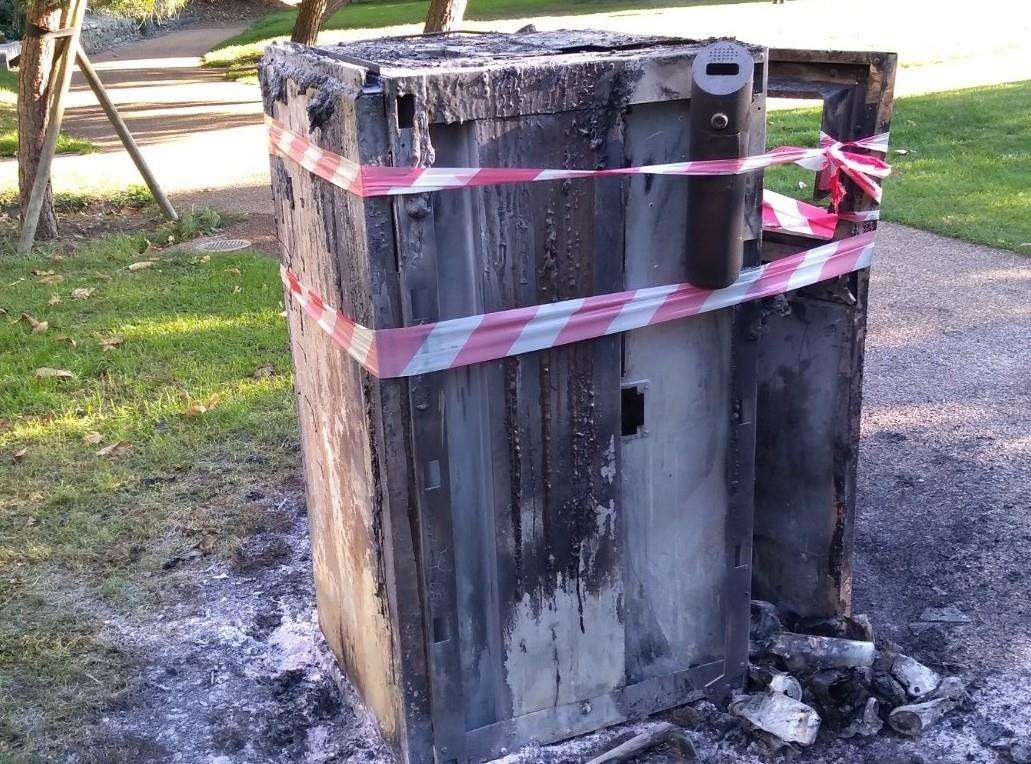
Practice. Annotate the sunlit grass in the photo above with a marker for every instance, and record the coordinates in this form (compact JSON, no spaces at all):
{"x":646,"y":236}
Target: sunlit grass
{"x":83,"y":534}
{"x":962,"y":163}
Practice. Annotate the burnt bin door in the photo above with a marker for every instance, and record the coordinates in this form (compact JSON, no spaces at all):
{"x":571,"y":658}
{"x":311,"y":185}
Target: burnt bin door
{"x":531,"y":441}
{"x":581,"y":523}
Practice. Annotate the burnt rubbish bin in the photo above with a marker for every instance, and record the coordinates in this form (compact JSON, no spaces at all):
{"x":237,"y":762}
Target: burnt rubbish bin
{"x":535,"y":547}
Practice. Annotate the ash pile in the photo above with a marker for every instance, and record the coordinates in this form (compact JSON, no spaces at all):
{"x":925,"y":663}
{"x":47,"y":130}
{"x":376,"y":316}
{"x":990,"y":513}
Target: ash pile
{"x":807,"y":674}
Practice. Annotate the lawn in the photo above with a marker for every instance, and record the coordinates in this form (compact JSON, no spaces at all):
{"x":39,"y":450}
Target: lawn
{"x":66,"y":144}
{"x":245,"y":49}
{"x":962,"y":163}
{"x":133,"y":400}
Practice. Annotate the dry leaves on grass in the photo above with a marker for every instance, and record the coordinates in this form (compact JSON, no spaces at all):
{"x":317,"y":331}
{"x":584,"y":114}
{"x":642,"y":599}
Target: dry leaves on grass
{"x":197,"y":408}
{"x":110,"y":343}
{"x":141,"y":265}
{"x":120,"y":447}
{"x":92,"y":438}
{"x":266,"y":370}
{"x":234,"y":271}
{"x":236,"y":289}
{"x":54,"y":299}
{"x":38,"y":327}
{"x":81,"y":293}
{"x":45,"y":372}
{"x":19,"y":455}
{"x":70,"y":340}
{"x":48,"y":277}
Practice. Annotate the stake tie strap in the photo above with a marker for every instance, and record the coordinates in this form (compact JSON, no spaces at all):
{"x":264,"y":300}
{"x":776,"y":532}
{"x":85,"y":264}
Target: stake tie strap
{"x":831,"y":159}
{"x":452,"y":343}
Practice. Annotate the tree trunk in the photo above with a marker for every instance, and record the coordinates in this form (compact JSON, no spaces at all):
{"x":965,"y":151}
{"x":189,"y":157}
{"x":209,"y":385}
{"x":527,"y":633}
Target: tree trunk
{"x":310,"y":18}
{"x":444,"y":15}
{"x":34,"y":76}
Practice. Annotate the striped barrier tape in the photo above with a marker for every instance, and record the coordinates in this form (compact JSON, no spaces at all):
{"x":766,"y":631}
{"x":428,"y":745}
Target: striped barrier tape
{"x":449,"y":344}
{"x":784,"y":214}
{"x":831,"y":159}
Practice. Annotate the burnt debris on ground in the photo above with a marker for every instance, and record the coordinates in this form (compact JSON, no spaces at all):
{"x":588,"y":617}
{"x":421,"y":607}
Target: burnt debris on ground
{"x":817,"y":690}
{"x":237,"y":670}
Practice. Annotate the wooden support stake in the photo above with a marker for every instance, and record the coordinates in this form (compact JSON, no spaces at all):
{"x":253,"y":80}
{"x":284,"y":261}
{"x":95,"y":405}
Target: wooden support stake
{"x":61,"y":78}
{"x":123,"y":133}
{"x":61,"y":81}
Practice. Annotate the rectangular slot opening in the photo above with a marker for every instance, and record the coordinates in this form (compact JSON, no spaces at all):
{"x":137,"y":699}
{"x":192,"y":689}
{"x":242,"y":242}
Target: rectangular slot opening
{"x":431,"y":479}
{"x":406,"y":111}
{"x":632,"y":411}
{"x":721,"y":69}
{"x":440,"y":630}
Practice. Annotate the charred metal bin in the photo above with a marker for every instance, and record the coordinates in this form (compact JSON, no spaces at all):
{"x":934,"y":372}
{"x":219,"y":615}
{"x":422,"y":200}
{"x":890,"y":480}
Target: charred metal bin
{"x":537,"y":547}
{"x":810,"y":368}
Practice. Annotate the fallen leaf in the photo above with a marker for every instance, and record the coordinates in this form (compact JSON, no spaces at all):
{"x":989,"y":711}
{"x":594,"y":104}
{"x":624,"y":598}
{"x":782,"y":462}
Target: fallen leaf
{"x":901,"y":151}
{"x":70,"y":340}
{"x":110,"y":343}
{"x":236,"y":289}
{"x":141,"y":265}
{"x":264,"y":371}
{"x":101,"y":276}
{"x":196,"y":408}
{"x":81,"y":293}
{"x":51,"y":278}
{"x":54,"y":299}
{"x":92,"y":438}
{"x":19,"y":455}
{"x":38,"y":327}
{"x":801,"y":184}
{"x":56,"y":258}
{"x":45,"y":372}
{"x":115,"y":448}
{"x":234,"y":271}
{"x":155,"y":258}
{"x":37,"y":272}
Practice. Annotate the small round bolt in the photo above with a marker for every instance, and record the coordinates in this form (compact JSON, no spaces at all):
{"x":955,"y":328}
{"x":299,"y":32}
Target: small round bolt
{"x":719,"y":120}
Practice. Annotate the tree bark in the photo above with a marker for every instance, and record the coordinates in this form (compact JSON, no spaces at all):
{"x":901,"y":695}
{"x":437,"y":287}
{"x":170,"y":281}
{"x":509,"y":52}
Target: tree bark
{"x":34,"y":77}
{"x":310,"y":18}
{"x":444,"y":15}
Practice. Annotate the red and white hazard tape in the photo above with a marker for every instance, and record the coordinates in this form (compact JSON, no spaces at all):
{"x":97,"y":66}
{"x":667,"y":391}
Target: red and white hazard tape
{"x":782,"y":213}
{"x":831,"y":159}
{"x":407,"y":351}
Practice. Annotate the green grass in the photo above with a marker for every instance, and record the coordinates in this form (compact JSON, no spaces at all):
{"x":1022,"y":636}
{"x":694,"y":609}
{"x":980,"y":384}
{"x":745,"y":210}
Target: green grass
{"x":83,"y":536}
{"x":245,"y":48}
{"x":134,"y":197}
{"x":66,"y":144}
{"x":966,"y":169}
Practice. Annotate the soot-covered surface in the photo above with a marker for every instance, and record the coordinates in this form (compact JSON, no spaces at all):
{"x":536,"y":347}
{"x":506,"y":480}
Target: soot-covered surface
{"x":495,"y":49}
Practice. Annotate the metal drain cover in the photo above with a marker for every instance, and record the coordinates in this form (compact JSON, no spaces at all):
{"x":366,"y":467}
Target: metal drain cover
{"x":221,"y":245}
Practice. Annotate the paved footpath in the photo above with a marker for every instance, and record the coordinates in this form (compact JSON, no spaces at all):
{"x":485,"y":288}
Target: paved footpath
{"x":201,"y":133}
